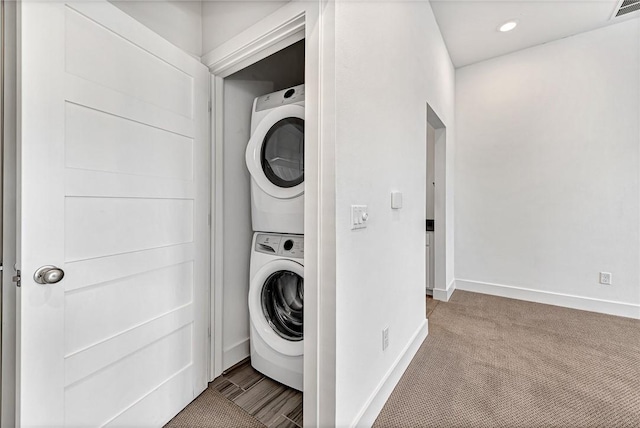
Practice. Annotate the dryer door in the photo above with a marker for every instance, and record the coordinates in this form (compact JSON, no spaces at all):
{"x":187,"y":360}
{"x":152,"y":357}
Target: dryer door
{"x":275,"y":153}
{"x":282,"y":154}
{"x":276,"y":298}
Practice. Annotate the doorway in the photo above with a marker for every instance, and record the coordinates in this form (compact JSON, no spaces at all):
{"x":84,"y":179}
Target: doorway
{"x":281,"y":70}
{"x":436,"y":215}
{"x":243,"y":95}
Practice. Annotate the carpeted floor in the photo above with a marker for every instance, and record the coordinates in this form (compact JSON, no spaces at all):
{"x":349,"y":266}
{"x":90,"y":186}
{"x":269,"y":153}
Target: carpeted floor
{"x":495,"y":362}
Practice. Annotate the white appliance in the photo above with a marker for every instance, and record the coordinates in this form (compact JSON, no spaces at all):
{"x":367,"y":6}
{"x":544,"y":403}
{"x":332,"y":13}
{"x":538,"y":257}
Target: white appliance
{"x":275,"y":159}
{"x":276,"y":296}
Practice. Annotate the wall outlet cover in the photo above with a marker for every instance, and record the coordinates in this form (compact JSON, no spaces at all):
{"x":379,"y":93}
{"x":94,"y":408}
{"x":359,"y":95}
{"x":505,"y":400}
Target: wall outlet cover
{"x":606,"y":278}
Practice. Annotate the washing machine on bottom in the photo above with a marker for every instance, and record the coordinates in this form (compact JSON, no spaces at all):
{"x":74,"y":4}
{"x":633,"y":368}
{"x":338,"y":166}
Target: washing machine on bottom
{"x":276,"y":296}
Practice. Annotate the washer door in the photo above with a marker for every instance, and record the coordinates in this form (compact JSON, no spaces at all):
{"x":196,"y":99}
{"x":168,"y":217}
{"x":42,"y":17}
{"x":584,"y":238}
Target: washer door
{"x":276,"y":297}
{"x":275,"y":153}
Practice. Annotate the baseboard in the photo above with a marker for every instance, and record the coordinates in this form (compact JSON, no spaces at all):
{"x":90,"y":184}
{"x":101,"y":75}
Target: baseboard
{"x":444,"y":295}
{"x":368,"y":414}
{"x":235,"y":353}
{"x":550,"y":298}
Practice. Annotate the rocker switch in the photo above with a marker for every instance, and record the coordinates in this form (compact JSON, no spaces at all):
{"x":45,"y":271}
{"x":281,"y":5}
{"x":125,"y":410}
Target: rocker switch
{"x":359,"y":216}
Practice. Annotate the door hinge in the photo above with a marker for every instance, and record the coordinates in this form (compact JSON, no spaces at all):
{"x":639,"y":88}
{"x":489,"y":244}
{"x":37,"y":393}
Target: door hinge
{"x":209,"y":220}
{"x":17,"y":278}
{"x":210,"y":107}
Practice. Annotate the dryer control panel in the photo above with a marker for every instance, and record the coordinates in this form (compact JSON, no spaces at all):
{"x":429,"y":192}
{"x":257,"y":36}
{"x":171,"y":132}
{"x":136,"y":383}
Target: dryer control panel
{"x":280,"y":98}
{"x":291,"y":246}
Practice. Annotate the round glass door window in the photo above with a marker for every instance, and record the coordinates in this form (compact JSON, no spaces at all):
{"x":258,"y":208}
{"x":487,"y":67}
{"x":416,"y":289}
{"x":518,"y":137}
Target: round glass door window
{"x":282,"y":304}
{"x":282,"y":155}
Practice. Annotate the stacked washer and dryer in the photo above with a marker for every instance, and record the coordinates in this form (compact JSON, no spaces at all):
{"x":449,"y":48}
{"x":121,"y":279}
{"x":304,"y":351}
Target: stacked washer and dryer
{"x":275,"y":159}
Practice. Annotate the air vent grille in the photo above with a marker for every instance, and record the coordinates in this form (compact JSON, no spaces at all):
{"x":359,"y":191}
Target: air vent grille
{"x":628,"y":6}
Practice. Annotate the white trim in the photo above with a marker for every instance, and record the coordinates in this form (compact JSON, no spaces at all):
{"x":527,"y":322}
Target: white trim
{"x":235,"y":353}
{"x":615,"y":9}
{"x":442,"y":243}
{"x":370,"y":411}
{"x":444,"y":295}
{"x":8,"y":312}
{"x":280,"y":29}
{"x":550,"y":298}
{"x":319,"y":399}
{"x":217,"y":225}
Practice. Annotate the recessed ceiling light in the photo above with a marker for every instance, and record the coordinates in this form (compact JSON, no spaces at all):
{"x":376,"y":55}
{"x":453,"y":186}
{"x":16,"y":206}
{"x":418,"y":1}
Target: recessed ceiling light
{"x":508,"y":26}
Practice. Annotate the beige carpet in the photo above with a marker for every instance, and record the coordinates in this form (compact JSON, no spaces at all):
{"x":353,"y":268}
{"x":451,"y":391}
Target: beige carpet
{"x":494,"y":362}
{"x":212,"y":409}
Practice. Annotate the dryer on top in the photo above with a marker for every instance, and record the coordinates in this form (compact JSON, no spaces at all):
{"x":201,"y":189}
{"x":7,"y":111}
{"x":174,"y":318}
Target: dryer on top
{"x":275,"y":159}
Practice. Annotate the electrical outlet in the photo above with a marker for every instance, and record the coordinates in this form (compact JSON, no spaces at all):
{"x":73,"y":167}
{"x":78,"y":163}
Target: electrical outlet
{"x":385,"y":338}
{"x":605,"y":278}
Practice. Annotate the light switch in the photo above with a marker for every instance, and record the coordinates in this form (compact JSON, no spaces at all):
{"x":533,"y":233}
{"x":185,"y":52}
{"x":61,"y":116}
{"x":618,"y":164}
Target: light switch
{"x":359,"y":216}
{"x":396,"y":200}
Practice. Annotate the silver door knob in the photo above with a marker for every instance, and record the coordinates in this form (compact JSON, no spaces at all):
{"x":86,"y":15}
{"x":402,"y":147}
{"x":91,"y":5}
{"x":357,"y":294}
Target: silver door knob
{"x":48,"y":275}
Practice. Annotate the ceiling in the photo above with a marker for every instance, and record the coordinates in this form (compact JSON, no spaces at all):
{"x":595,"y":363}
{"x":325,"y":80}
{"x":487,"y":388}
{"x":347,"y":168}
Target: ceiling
{"x":470,"y":27}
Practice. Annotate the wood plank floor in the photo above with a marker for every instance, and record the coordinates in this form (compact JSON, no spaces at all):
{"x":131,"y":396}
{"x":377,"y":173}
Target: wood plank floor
{"x":270,"y":402}
{"x":431,"y":305}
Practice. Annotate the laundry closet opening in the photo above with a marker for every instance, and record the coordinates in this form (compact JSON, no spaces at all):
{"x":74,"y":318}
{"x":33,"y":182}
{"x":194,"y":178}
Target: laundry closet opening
{"x":260,"y":232}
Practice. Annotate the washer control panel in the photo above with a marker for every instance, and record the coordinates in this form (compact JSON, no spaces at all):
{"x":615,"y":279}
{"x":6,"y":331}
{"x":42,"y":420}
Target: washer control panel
{"x":280,"y":98}
{"x":291,"y":246}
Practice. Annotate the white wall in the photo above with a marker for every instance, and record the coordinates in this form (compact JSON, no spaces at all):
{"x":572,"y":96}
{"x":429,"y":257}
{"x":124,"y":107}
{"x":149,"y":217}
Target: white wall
{"x":180,"y":22}
{"x":222,"y":20}
{"x":547,"y":172}
{"x":390,"y":61}
{"x":238,"y":100}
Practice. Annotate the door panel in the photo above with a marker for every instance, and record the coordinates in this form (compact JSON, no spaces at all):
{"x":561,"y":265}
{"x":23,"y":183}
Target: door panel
{"x":99,"y":141}
{"x":123,"y":66}
{"x":113,"y":183}
{"x":105,"y":394}
{"x":139,"y":298}
{"x":106,"y":226}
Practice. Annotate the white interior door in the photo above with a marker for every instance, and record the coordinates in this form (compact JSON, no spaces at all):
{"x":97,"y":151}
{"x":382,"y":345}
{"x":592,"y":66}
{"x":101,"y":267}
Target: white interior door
{"x":113,"y":189}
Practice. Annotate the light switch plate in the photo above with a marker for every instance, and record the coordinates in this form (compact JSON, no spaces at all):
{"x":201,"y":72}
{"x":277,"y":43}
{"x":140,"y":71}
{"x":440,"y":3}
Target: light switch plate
{"x":359,"y":216}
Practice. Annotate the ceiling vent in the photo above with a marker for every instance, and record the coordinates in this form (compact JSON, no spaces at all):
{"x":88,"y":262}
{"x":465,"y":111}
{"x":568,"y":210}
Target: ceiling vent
{"x":627,"y":6}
